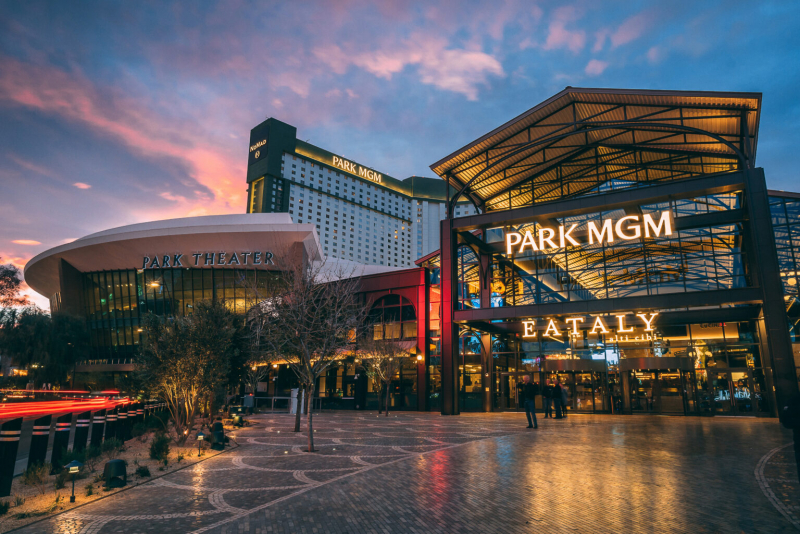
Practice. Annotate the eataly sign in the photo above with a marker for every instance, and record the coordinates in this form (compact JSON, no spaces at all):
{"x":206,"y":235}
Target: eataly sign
{"x":598,"y":327}
{"x":627,"y":228}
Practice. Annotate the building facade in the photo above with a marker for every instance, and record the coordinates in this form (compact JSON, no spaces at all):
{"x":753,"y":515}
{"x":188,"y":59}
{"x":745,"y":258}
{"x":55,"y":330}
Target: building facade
{"x":361,"y":214}
{"x":622,"y":242}
{"x":626,"y":245}
{"x":113,"y":278}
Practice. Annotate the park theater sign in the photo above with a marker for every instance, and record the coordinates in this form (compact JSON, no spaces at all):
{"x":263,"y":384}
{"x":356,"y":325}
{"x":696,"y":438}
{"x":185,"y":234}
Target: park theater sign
{"x":627,"y":228}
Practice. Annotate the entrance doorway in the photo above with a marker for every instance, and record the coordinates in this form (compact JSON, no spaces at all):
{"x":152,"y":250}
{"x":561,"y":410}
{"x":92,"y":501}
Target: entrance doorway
{"x":662,"y":392}
{"x":734,"y":392}
{"x":508,"y":393}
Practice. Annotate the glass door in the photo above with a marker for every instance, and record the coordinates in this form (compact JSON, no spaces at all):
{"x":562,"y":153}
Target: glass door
{"x":584,"y":392}
{"x":642,"y":391}
{"x":742,"y":392}
{"x":508,"y":392}
{"x":720,"y":387}
{"x":670,"y":394}
{"x":601,"y":399}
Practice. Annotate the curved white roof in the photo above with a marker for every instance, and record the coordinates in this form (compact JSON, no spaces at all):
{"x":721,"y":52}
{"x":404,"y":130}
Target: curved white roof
{"x":126,"y":246}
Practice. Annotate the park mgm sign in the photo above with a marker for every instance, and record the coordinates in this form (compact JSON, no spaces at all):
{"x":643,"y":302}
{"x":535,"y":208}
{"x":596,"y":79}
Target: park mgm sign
{"x":208,"y":259}
{"x":358,"y":170}
{"x":627,"y":228}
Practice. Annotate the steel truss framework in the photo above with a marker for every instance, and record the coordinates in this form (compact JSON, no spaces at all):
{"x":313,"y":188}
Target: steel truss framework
{"x":587,"y":141}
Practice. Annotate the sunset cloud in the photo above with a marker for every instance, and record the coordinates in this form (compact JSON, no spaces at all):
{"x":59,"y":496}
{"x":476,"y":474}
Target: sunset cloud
{"x":451,"y":69}
{"x":81,"y":185}
{"x":73,"y":97}
{"x":595,"y":67}
{"x":631,"y":29}
{"x":25,"y":242}
{"x":559,"y":36}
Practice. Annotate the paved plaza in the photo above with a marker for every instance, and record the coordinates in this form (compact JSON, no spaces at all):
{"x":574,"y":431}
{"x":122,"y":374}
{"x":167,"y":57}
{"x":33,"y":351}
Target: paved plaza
{"x":422,"y":473}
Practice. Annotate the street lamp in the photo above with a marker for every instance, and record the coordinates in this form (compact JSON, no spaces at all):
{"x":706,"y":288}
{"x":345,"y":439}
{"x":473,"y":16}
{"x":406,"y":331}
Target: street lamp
{"x":200,"y":438}
{"x":74,"y":466}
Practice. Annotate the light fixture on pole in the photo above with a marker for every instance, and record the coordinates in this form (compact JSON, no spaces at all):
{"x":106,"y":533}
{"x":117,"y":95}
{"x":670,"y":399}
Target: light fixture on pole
{"x":73,"y":467}
{"x":200,"y":438}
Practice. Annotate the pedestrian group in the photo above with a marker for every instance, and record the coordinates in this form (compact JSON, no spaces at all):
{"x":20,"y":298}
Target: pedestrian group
{"x":554,"y":399}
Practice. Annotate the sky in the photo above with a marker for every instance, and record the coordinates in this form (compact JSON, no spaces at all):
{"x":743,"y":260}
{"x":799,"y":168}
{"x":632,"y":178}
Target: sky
{"x":113,"y":113}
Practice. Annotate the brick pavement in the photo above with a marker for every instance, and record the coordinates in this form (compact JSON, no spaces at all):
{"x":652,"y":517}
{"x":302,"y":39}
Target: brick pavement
{"x":417,"y":472}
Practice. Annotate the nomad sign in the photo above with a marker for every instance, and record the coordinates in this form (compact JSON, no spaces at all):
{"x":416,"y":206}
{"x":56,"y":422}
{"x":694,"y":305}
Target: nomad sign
{"x":358,"y":170}
{"x":207,"y":259}
{"x":626,"y":228}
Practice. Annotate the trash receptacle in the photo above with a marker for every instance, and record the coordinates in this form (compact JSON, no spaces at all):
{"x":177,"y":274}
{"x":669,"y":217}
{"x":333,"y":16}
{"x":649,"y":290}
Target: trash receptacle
{"x":115,"y":473}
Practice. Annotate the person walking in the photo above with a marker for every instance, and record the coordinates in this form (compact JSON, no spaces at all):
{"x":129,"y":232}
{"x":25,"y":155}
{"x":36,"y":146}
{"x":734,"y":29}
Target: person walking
{"x":547,"y":399}
{"x":528,"y":392}
{"x":564,"y":400}
{"x":557,"y":399}
{"x":790,"y":418}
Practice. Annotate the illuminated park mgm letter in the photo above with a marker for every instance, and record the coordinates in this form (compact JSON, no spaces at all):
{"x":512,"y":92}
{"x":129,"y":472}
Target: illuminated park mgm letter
{"x":626,"y":228}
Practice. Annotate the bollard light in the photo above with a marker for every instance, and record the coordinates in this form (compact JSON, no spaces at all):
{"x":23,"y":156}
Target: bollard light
{"x":73,"y":467}
{"x":200,"y":438}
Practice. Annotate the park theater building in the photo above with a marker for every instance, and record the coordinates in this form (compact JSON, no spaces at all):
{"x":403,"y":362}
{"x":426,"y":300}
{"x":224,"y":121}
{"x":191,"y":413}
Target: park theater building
{"x":624,"y":242}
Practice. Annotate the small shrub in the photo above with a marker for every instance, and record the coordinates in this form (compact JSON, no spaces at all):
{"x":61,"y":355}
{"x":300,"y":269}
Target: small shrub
{"x":19,"y":500}
{"x":138,"y":430}
{"x":61,"y":480}
{"x":112,"y":447}
{"x":37,"y":476}
{"x":89,"y":489}
{"x":98,"y":478}
{"x":142,"y":471}
{"x":68,"y":456}
{"x":92,"y":456}
{"x":54,"y":505}
{"x":159,"y":447}
{"x":4,"y":506}
{"x":180,"y":457}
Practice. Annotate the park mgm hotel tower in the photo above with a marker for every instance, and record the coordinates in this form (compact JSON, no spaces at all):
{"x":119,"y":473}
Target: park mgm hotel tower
{"x":360,"y":214}
{"x":625,"y":242}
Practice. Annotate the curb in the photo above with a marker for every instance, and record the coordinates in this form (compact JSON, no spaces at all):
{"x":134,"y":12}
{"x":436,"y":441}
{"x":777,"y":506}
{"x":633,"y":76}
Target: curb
{"x":48,"y":517}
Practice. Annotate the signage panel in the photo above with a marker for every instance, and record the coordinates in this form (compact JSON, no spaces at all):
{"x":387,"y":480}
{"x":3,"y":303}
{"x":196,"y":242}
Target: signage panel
{"x":208,"y":259}
{"x":358,"y":170}
{"x":627,"y":228}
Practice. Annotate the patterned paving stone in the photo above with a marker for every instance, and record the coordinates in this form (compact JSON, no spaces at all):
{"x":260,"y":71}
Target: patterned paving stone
{"x":423,"y":473}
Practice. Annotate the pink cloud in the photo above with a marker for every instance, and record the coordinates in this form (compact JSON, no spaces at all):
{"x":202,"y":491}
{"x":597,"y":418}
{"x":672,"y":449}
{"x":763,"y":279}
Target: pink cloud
{"x":655,"y":54}
{"x":600,"y":39}
{"x":559,"y":36}
{"x":81,"y":185}
{"x":132,"y":123}
{"x":451,"y":69}
{"x":33,"y":167}
{"x":631,"y":29}
{"x":595,"y":67}
{"x":25,"y":242}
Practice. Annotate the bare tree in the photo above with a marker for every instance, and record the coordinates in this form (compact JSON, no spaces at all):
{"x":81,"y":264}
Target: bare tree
{"x":309,"y":322}
{"x":255,"y":372}
{"x":382,"y":358}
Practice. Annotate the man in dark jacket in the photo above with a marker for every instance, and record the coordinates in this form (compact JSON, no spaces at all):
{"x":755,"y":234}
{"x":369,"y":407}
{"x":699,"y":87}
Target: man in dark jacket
{"x":790,"y":418}
{"x":527,"y":394}
{"x":547,"y":400}
{"x":557,"y":399}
